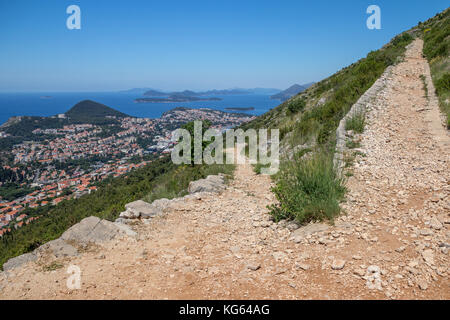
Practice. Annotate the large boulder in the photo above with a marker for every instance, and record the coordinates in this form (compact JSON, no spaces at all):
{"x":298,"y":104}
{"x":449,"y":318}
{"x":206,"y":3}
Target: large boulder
{"x":141,"y":209}
{"x":59,"y":248}
{"x":210,"y":184}
{"x":92,"y":230}
{"x":88,"y":230}
{"x":19,"y":261}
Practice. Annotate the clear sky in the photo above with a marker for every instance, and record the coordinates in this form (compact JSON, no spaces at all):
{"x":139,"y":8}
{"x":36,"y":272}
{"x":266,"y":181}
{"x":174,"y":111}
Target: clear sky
{"x":191,"y":44}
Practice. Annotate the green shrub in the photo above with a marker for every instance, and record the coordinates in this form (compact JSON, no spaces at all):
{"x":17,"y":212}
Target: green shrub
{"x":257,"y":167}
{"x":443,"y":84}
{"x":308,"y":190}
{"x":352,"y":144}
{"x":296,"y":106}
{"x":436,"y":49}
{"x":356,"y":122}
{"x":425,"y":86}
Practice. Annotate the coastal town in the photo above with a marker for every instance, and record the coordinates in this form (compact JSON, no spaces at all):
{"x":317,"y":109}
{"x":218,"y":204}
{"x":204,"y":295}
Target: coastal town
{"x":71,"y":160}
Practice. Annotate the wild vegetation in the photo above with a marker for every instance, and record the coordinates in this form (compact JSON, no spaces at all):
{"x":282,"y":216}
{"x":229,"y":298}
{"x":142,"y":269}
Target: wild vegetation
{"x":308,"y":189}
{"x":356,"y":122}
{"x":436,"y":35}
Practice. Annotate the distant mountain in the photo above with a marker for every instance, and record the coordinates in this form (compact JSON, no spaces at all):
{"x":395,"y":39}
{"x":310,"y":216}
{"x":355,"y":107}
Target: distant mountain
{"x":136,"y":90}
{"x":190,"y":93}
{"x":291,"y":91}
{"x":224,"y":92}
{"x":175,"y":98}
{"x":88,"y":110}
{"x":155,"y":93}
{"x":264,"y":91}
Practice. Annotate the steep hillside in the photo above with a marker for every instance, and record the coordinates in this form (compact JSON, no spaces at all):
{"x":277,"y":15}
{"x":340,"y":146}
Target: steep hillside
{"x":436,"y":34}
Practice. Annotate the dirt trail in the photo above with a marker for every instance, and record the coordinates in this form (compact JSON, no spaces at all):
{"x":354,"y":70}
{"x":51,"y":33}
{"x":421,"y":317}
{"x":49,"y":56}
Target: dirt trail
{"x":393,"y":242}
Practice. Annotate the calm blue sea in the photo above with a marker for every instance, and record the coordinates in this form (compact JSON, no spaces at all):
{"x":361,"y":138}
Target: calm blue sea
{"x":33,"y":104}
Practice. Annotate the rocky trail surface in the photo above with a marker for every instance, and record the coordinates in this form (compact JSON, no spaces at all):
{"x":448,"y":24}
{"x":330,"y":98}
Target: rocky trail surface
{"x":392,"y":243}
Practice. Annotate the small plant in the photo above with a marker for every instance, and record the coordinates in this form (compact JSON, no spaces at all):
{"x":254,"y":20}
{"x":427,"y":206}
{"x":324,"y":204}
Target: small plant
{"x":348,"y":160}
{"x":359,"y":153}
{"x":349,"y":174}
{"x":356,"y":122}
{"x":303,"y":152}
{"x":257,"y":167}
{"x":425,"y":86}
{"x":53,"y":266}
{"x":351,"y":144}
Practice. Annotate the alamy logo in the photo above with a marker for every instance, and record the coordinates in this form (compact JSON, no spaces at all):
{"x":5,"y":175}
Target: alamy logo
{"x":74,"y":20}
{"x":208,"y":148}
{"x":374,"y":21}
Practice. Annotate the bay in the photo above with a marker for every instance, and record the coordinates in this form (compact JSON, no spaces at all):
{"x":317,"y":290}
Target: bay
{"x":49,"y":104}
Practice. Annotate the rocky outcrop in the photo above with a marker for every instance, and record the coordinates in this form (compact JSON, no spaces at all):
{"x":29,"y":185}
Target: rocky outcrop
{"x":143,"y":210}
{"x":59,"y":248}
{"x":20,"y":260}
{"x":89,"y":230}
{"x":93,"y":230}
{"x":210,"y":184}
{"x":139,"y":209}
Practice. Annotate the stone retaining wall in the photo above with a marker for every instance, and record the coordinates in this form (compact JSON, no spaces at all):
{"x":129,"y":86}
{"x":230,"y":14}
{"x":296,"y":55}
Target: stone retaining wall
{"x":362,"y":105}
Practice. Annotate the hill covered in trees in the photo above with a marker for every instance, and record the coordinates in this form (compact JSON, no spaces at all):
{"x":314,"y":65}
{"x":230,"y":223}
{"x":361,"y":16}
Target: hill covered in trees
{"x":87,"y":111}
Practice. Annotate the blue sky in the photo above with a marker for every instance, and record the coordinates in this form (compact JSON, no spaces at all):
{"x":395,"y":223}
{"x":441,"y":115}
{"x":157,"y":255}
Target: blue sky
{"x":198,"y":45}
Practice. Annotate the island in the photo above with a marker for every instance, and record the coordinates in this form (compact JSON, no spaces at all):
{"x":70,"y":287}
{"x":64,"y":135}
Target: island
{"x":175,"y":99}
{"x":240,"y":108}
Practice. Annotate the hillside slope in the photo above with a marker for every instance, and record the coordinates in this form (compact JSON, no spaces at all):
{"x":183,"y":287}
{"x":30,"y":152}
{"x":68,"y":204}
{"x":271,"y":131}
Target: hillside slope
{"x":436,"y":34}
{"x":391,"y":244}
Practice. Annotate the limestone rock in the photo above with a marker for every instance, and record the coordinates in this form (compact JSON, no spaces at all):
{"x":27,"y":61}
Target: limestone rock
{"x":435,"y":223}
{"x":59,"y":248}
{"x":428,"y":256}
{"x":373,"y":278}
{"x":338,"y":264}
{"x":92,"y":230}
{"x":299,"y":234}
{"x":253,"y":266}
{"x":139,"y":208}
{"x":210,"y":184}
{"x":19,"y":261}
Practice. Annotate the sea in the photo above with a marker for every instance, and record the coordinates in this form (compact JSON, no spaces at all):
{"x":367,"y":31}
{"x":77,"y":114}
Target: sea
{"x":49,"y":104}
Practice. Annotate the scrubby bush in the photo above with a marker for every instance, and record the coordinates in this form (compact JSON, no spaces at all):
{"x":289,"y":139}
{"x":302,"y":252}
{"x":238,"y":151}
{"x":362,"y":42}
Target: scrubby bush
{"x":443,"y":84}
{"x":308,"y":190}
{"x":356,"y":122}
{"x":296,"y":106}
{"x":436,"y":34}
